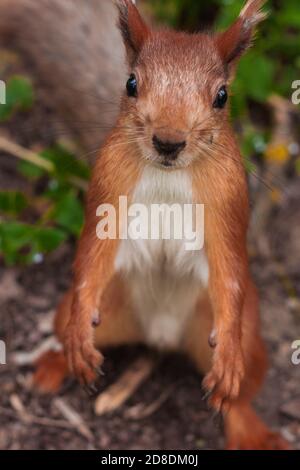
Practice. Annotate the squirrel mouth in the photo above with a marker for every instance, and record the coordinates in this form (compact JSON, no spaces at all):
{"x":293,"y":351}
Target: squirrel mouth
{"x":167,"y":164}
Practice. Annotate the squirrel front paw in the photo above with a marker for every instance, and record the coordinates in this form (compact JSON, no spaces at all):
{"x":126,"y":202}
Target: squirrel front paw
{"x":84,"y":360}
{"x":223,"y":382}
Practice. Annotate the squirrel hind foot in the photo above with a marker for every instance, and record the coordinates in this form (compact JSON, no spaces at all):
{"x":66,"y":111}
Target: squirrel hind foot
{"x":51,"y":371}
{"x":246,"y":431}
{"x":265,"y":441}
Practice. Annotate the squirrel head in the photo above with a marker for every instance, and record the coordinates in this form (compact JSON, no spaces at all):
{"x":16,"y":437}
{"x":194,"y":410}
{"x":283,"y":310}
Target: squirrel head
{"x":175,"y":100}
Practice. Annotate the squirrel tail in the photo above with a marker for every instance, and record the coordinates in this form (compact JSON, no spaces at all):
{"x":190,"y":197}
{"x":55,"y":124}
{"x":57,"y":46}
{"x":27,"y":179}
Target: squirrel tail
{"x":51,"y":371}
{"x":77,"y":55}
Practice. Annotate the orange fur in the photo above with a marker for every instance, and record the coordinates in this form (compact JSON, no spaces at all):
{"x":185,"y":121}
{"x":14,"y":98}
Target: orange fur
{"x":226,"y":203}
{"x":51,"y":370}
{"x":94,"y":263}
{"x":240,"y":419}
{"x":178,"y":76}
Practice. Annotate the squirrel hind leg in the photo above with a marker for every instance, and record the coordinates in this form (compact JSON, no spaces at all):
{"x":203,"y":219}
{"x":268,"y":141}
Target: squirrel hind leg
{"x":244,"y":430}
{"x":51,"y":371}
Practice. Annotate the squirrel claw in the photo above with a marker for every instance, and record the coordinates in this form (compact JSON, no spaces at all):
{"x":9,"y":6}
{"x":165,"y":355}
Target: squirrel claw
{"x":96,"y":319}
{"x":100,"y":372}
{"x":224,"y":380}
{"x":91,"y":389}
{"x":220,"y":405}
{"x":207,"y":395}
{"x":217,"y":418}
{"x":83,"y":358}
{"x":212,"y":339}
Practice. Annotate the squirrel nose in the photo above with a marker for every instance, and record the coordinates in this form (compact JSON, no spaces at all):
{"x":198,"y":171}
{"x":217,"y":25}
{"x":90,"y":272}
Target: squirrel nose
{"x":167,"y":148}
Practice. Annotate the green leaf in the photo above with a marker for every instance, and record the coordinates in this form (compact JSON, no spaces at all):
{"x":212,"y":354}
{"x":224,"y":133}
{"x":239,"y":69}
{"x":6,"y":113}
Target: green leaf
{"x":256,"y":76}
{"x":16,"y":234}
{"x":238,"y":100}
{"x":30,"y":171}
{"x":48,"y":239}
{"x":289,"y":14}
{"x":57,"y":189}
{"x":228,"y":13}
{"x":14,"y":237}
{"x":66,"y":164}
{"x":20,"y":243}
{"x":69,"y":214}
{"x":19,"y":96}
{"x":12,"y":202}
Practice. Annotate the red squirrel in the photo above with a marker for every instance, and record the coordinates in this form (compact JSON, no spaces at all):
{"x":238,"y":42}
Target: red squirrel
{"x":173,"y":143}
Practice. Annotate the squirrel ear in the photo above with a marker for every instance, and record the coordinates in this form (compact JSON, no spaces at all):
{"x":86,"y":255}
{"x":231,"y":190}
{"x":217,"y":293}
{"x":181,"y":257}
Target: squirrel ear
{"x":238,"y":38}
{"x":133,"y":28}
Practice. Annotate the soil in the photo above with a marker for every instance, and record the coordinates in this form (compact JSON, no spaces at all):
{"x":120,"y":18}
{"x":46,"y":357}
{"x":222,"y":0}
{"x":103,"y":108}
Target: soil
{"x":28,"y":297}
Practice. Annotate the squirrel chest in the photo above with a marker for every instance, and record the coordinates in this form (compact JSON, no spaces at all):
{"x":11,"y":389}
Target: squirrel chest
{"x":164,"y":279}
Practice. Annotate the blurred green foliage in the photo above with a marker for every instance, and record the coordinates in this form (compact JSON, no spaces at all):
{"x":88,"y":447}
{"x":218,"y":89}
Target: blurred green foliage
{"x":25,"y":243}
{"x":19,"y":97}
{"x":56,"y":209}
{"x":34,"y":224}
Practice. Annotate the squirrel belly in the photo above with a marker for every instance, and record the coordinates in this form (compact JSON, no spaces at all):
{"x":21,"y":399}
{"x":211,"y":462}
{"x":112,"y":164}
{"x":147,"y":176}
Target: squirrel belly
{"x":163,"y":279}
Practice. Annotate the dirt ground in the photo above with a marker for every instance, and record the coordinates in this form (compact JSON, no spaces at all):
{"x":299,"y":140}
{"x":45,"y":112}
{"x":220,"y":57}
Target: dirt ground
{"x":28,"y":298}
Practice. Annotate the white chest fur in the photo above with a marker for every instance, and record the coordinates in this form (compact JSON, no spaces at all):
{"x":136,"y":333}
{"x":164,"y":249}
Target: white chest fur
{"x":164,"y":278}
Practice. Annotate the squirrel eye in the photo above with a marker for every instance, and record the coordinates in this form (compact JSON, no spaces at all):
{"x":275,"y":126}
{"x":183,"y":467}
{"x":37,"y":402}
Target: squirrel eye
{"x":221,"y":98}
{"x":131,"y":86}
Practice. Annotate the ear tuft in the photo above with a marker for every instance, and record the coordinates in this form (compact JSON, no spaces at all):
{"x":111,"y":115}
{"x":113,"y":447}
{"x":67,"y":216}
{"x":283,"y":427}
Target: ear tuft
{"x":238,"y":38}
{"x":133,"y":28}
{"x":252,"y":13}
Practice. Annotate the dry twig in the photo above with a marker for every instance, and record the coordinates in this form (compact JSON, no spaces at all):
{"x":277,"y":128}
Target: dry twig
{"x":29,"y":156}
{"x":73,"y":418}
{"x":118,"y":393}
{"x":27,"y":359}
{"x":142,"y":411}
{"x":29,"y":419}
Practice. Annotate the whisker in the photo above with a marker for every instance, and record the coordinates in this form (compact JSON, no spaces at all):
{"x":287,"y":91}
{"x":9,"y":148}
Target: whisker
{"x":276,"y":178}
{"x":126,"y":142}
{"x":214,"y":153}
